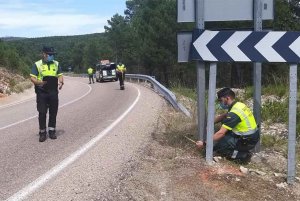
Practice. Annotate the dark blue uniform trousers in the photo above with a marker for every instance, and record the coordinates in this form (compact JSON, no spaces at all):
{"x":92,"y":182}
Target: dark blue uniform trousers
{"x":44,"y":102}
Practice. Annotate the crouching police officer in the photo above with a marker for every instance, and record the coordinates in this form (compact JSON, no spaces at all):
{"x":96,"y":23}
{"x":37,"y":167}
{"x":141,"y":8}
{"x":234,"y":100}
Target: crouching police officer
{"x":47,"y":77}
{"x":238,"y":133}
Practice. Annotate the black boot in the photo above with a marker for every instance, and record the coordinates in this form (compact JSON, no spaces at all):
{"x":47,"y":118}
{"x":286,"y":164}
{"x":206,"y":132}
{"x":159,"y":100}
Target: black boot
{"x":244,"y":157}
{"x":52,"y":134}
{"x":43,"y":136}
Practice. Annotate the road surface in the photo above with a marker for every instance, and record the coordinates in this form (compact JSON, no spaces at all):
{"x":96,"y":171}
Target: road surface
{"x":99,"y":127}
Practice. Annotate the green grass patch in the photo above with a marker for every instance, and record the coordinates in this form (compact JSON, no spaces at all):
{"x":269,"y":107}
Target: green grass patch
{"x":279,"y":90}
{"x":275,"y":112}
{"x":187,"y":92}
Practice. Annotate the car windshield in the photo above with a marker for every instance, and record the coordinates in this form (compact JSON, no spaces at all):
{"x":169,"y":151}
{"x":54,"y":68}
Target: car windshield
{"x":108,"y":67}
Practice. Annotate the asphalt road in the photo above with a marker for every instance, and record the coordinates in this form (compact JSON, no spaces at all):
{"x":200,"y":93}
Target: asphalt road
{"x":99,"y":127}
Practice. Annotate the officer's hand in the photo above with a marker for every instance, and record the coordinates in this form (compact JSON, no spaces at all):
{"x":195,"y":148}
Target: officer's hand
{"x":60,"y":86}
{"x":199,"y":144}
{"x":42,"y":83}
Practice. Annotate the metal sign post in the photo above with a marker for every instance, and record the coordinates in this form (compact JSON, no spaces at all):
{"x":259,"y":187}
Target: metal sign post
{"x":291,"y":165}
{"x":211,"y":112}
{"x":200,"y":75}
{"x":257,"y":71}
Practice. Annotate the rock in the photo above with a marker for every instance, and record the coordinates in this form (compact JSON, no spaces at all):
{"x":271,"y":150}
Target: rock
{"x":282,"y":185}
{"x":256,"y":158}
{"x":279,"y":175}
{"x":244,"y":170}
{"x":257,"y":172}
{"x":217,"y":158}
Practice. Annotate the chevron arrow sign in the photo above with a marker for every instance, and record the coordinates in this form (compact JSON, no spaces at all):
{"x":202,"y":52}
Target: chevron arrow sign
{"x":246,"y":46}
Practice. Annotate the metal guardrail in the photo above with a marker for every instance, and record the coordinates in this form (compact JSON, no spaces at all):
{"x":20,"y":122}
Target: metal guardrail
{"x":159,"y":88}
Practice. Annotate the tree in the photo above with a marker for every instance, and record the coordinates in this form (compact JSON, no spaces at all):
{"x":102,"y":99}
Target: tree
{"x":91,"y":55}
{"x":118,"y":34}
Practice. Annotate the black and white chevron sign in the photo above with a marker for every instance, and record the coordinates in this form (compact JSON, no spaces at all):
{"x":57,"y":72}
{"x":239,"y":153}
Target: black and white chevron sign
{"x":246,"y":46}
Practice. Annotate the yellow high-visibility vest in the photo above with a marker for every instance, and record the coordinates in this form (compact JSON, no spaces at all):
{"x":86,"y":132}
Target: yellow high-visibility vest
{"x":45,"y":70}
{"x":90,"y":71}
{"x":121,"y":68}
{"x":248,"y":125}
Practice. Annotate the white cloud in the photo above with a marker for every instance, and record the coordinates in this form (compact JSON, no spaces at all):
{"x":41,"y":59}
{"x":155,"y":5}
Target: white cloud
{"x":41,"y":20}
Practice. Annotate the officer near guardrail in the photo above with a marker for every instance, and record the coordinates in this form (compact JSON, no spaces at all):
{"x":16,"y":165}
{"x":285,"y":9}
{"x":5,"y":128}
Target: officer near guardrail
{"x":47,"y":77}
{"x":238,"y":133}
{"x":91,"y":74}
{"x":121,"y":69}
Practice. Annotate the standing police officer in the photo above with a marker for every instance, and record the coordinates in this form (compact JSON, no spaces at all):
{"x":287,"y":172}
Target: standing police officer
{"x":121,"y":69}
{"x":91,"y":74}
{"x":47,"y":77}
{"x":238,"y":133}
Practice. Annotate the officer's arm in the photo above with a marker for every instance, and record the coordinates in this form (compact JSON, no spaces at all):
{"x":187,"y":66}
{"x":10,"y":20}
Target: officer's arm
{"x":217,"y":136}
{"x":33,"y":76}
{"x":61,"y":81}
{"x":220,"y":134}
{"x":220,"y":117}
{"x":35,"y":81}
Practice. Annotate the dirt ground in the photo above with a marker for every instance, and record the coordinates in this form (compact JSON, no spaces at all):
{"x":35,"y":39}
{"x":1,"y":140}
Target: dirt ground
{"x":170,"y":168}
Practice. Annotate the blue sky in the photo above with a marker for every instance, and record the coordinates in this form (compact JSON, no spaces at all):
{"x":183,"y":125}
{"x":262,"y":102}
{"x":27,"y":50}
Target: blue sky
{"x":39,"y":18}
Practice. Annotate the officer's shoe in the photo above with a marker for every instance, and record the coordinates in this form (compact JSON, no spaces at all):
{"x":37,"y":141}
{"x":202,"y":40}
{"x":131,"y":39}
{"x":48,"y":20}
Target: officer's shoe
{"x":244,"y":157}
{"x":43,"y":136}
{"x":122,"y":87}
{"x":52,"y":134}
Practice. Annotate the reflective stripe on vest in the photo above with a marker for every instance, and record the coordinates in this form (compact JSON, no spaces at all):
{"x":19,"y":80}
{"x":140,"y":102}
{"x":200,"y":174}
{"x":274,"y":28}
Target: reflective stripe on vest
{"x":44,"y":70}
{"x":248,"y":125}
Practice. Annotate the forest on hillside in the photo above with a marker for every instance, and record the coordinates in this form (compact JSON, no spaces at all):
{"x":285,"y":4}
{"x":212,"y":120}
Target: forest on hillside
{"x":145,"y":39}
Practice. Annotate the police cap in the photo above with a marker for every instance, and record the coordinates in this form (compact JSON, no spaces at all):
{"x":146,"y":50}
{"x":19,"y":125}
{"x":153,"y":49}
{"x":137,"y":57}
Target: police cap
{"x":48,"y":50}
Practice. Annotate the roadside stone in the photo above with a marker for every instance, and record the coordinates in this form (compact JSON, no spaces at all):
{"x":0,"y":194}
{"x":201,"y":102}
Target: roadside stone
{"x":279,"y":175}
{"x":257,"y":172}
{"x":256,"y":158}
{"x":282,"y":185}
{"x":244,"y":170}
{"x":217,"y":159}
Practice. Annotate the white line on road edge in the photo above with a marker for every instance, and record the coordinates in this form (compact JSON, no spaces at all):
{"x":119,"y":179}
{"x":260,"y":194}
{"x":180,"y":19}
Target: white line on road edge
{"x":16,"y":103}
{"x":77,"y":99}
{"x":33,"y":186}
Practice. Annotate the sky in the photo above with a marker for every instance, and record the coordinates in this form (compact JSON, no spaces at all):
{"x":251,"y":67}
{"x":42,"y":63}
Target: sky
{"x":42,"y":18}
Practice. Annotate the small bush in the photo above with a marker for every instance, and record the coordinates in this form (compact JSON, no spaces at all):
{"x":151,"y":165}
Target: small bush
{"x":187,"y":92}
{"x":278,"y":90}
{"x":276,"y":112}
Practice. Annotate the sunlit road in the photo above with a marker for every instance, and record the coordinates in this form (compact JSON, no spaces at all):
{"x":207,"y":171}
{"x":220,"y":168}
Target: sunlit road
{"x":99,"y":128}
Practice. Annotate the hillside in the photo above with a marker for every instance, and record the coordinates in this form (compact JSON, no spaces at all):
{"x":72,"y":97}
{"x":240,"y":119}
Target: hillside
{"x":12,"y":83}
{"x":11,"y":38}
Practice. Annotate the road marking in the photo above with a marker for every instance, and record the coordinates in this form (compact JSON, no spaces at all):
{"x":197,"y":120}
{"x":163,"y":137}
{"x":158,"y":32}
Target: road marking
{"x":16,"y":103}
{"x":68,"y":103}
{"x":39,"y":182}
